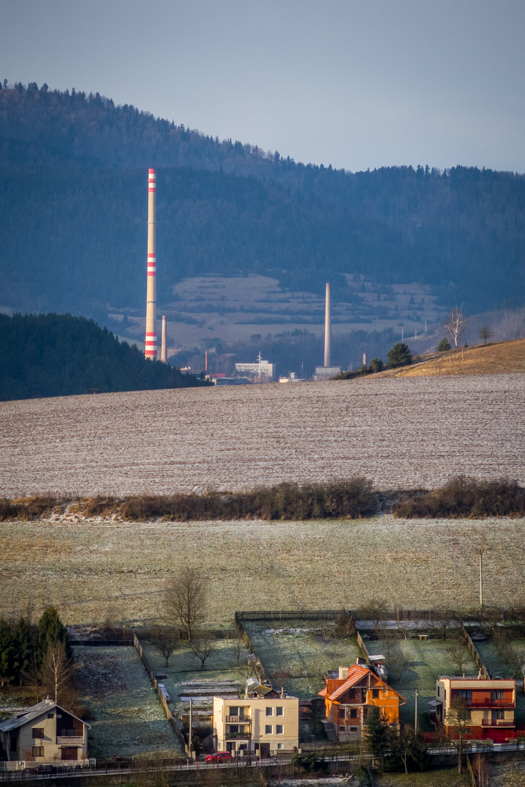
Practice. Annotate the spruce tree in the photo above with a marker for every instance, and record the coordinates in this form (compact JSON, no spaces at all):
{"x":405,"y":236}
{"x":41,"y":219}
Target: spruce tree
{"x":7,"y":653}
{"x":377,"y":732}
{"x":51,"y":630}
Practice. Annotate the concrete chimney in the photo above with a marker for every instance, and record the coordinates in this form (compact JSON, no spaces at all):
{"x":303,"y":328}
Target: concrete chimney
{"x":364,"y":359}
{"x":150,"y":344}
{"x":163,"y":356}
{"x":327,"y":327}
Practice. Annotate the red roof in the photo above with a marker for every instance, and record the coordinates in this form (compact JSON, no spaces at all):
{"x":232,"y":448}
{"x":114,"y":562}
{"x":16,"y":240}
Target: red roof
{"x":355,"y":674}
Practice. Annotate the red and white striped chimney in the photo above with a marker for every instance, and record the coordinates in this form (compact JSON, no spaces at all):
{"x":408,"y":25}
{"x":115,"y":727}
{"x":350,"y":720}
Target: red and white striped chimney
{"x":150,"y":345}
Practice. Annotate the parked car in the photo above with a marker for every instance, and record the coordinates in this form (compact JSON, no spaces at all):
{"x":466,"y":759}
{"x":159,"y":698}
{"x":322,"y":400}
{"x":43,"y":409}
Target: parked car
{"x":44,"y":769}
{"x":219,"y":756}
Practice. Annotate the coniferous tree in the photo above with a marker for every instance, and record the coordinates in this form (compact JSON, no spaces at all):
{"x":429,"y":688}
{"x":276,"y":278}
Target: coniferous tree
{"x":7,"y":653}
{"x":377,"y":732}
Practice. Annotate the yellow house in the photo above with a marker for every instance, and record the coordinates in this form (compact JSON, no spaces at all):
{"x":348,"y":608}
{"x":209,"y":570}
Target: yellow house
{"x":45,"y":733}
{"x":262,"y":724}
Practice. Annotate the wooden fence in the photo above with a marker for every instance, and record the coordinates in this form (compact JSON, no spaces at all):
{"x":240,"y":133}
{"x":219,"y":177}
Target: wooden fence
{"x":160,"y":695}
{"x":258,"y":666}
{"x":474,"y":653}
{"x":363,"y":647}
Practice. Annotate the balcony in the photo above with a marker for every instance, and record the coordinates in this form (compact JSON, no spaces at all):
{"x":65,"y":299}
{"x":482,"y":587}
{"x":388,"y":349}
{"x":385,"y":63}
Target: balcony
{"x":70,"y":740}
{"x":243,"y":736}
{"x":238,"y":720}
{"x":488,"y":704}
{"x":509,"y":723}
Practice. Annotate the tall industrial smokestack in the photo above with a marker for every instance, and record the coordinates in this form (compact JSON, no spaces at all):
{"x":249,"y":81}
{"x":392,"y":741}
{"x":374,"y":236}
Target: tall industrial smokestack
{"x":327,"y":322}
{"x":150,"y":345}
{"x":163,"y":356}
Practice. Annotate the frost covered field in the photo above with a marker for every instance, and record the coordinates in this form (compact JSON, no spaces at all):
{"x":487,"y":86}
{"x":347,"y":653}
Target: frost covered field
{"x":398,"y":432}
{"x":127,"y":716}
{"x":90,"y":568}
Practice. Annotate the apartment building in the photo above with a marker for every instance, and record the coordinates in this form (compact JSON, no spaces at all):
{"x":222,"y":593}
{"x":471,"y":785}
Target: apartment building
{"x":262,"y":724}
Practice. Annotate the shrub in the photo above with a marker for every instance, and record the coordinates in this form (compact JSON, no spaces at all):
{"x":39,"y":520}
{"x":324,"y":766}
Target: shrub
{"x":465,"y":497}
{"x":444,"y":345}
{"x":399,"y":355}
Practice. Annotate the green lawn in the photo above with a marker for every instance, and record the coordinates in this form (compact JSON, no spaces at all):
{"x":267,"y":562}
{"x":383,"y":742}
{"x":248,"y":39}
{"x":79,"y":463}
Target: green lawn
{"x":307,"y":654}
{"x":428,"y":659}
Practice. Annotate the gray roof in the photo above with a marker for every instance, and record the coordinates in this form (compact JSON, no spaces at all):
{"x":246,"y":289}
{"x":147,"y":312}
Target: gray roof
{"x":32,"y":713}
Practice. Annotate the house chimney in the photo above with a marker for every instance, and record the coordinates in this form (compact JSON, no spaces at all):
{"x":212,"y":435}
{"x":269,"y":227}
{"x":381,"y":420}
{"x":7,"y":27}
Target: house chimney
{"x":282,"y":692}
{"x":150,"y":345}
{"x":327,"y":327}
{"x":343,"y":673}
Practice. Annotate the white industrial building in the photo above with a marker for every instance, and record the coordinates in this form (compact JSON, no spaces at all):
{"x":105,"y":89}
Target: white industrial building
{"x":260,"y":371}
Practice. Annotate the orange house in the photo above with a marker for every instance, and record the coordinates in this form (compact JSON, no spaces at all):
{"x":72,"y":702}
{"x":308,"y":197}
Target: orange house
{"x":349,"y":694}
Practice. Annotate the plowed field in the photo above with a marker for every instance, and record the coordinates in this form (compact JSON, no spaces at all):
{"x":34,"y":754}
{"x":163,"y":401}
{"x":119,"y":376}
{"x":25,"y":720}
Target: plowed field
{"x":397,"y":432}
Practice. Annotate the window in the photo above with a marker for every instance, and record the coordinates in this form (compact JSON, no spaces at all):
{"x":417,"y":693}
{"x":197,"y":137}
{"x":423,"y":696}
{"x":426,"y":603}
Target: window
{"x":496,"y":695}
{"x":353,"y":729}
{"x":375,"y":694}
{"x":341,"y":713}
{"x":279,"y":729}
{"x":50,"y":716}
{"x":269,"y":711}
{"x":279,"y":711}
{"x":353,"y":713}
{"x":342,"y":728}
{"x":38,"y":732}
{"x":444,"y":694}
{"x":268,"y":729}
{"x":438,"y":691}
{"x":497,"y":714}
{"x":279,"y":745}
{"x":463,"y":694}
{"x":351,"y":694}
{"x":234,"y":710}
{"x":37,"y":751}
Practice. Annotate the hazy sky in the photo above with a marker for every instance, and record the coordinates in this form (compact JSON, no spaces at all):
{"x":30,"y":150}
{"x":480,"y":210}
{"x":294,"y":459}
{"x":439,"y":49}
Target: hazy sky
{"x":352,"y":83}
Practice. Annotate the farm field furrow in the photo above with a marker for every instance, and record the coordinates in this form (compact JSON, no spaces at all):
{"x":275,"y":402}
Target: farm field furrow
{"x":399,"y":432}
{"x":90,"y":568}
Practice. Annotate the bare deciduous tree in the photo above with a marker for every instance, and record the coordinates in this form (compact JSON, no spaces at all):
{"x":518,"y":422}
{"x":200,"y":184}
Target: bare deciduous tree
{"x":186,"y":599}
{"x":458,"y":653}
{"x":166,"y":641}
{"x":202,"y":646}
{"x":458,"y":720}
{"x":397,"y":662}
{"x":56,"y":671}
{"x":485,"y":333}
{"x":443,"y":620}
{"x":389,"y":638}
{"x":375,"y":611}
{"x":456,"y":325}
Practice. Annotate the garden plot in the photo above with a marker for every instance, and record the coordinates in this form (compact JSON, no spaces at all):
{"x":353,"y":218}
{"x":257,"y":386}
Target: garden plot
{"x":428,"y":659}
{"x":399,"y":432}
{"x":127,"y":716}
{"x":184,"y":678}
{"x":305,"y":649}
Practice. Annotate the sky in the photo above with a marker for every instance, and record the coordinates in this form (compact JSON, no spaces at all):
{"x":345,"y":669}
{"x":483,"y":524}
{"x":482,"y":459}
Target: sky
{"x":353,"y":83}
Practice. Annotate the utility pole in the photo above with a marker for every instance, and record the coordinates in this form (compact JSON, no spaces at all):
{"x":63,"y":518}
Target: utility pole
{"x":481,"y":579}
{"x":415,"y":717}
{"x":190,"y":725}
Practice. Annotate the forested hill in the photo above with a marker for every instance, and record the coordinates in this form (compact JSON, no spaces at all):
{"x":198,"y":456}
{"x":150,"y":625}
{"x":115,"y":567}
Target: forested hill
{"x":72,"y":200}
{"x":60,"y":355}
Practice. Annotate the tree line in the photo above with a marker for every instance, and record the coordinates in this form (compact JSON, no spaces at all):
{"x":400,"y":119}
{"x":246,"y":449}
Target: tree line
{"x":37,"y":655}
{"x":61,"y":355}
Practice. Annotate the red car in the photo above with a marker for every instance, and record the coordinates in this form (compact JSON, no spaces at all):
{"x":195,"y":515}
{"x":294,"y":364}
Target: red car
{"x":219,"y":756}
